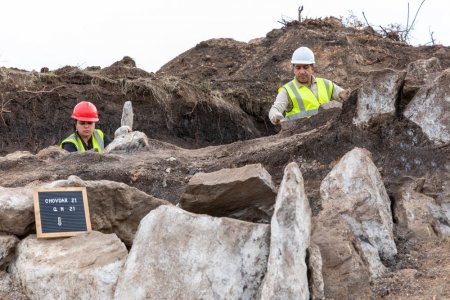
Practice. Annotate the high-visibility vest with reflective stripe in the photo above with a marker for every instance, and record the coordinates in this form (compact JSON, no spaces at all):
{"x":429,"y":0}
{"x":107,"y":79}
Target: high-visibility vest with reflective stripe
{"x":304,"y":102}
{"x":97,"y":141}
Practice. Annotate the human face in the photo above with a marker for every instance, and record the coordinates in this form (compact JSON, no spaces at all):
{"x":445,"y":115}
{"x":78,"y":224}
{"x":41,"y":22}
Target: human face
{"x":303,"y":73}
{"x":85,"y":129}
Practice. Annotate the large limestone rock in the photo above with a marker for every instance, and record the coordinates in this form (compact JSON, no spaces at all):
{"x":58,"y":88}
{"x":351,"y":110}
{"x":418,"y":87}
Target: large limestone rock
{"x":378,"y":95}
{"x":286,"y":276}
{"x":114,"y":206}
{"x":354,"y":229}
{"x":430,"y":109}
{"x":16,"y":210}
{"x":180,"y":255}
{"x":83,"y":267}
{"x":355,"y":190}
{"x":246,"y":193}
{"x":128,"y":142}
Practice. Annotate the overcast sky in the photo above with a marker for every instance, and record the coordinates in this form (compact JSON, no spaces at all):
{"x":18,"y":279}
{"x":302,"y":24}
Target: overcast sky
{"x":55,"y":33}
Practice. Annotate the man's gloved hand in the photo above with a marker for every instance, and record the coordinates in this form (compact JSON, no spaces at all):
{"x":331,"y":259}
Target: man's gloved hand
{"x":276,"y":118}
{"x":344,"y":94}
{"x":331,"y":104}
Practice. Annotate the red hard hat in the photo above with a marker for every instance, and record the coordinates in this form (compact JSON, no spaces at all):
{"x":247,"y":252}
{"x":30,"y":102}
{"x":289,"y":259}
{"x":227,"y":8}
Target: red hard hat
{"x":85,"y":111}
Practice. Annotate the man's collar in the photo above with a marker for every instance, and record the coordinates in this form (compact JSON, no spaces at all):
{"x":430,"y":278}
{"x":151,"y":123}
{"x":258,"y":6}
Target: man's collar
{"x":301,"y":84}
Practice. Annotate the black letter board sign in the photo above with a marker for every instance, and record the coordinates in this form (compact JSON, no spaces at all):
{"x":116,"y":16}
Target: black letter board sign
{"x":61,"y":212}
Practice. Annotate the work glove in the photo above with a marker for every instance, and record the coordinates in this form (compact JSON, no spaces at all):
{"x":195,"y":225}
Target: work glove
{"x":276,"y":118}
{"x":344,"y":94}
{"x":331,"y":104}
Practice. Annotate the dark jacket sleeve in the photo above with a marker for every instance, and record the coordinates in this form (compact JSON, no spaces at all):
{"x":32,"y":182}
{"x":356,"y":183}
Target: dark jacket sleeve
{"x":69,"y":147}
{"x":106,"y":140}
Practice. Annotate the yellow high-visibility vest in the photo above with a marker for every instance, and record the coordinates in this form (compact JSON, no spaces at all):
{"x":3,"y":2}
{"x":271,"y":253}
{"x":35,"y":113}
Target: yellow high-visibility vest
{"x":98,"y":141}
{"x":304,"y":102}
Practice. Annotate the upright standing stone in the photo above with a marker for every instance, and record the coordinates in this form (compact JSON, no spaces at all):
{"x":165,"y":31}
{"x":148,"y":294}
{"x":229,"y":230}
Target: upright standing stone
{"x":354,"y":228}
{"x":127,"y":115}
{"x":286,"y":276}
{"x":354,"y":189}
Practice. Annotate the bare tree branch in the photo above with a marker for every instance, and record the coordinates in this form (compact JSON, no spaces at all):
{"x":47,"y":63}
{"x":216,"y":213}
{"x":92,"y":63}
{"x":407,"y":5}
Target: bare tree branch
{"x":407,"y":17}
{"x":414,"y":20}
{"x":366,"y":19}
{"x":300,"y":9}
{"x":43,"y":91}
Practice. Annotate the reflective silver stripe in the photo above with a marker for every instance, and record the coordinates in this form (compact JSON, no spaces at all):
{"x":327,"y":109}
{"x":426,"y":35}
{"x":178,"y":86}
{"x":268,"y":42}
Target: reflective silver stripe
{"x":72,"y":137}
{"x":99,"y":140}
{"x":301,"y":105}
{"x":327,"y":84}
{"x":302,"y":114}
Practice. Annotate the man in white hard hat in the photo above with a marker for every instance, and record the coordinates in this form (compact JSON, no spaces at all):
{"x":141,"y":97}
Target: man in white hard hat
{"x":302,"y":96}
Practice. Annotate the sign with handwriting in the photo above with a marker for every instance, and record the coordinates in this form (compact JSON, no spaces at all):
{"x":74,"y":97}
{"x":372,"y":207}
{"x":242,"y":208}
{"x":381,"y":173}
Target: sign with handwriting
{"x":61,"y":212}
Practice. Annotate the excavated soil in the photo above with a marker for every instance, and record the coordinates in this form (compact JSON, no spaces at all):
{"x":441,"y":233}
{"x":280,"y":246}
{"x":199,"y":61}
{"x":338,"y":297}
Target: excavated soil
{"x":208,"y":109}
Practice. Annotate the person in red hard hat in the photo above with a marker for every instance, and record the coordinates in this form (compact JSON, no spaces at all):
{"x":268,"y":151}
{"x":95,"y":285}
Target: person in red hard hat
{"x":85,"y":137}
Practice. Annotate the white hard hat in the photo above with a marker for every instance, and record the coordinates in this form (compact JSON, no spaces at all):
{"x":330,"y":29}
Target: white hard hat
{"x":303,"y":56}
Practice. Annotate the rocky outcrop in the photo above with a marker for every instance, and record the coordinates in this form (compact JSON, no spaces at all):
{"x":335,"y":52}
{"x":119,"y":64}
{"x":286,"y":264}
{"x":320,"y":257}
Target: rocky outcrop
{"x":126,"y":126}
{"x":82,"y":267}
{"x":245,"y":193}
{"x":286,"y":276}
{"x":430,"y":109}
{"x":114,"y":206}
{"x":378,"y":95}
{"x":354,"y":230}
{"x":180,"y":255}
